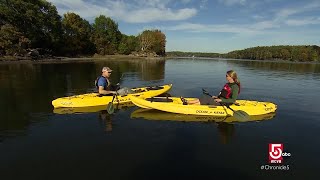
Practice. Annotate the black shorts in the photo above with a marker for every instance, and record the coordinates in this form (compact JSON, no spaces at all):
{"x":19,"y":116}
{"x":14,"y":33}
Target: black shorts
{"x":207,"y":100}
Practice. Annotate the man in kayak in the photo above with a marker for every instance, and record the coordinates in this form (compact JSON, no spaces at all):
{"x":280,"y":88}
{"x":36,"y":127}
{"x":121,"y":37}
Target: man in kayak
{"x":228,"y":94}
{"x":103,"y":84}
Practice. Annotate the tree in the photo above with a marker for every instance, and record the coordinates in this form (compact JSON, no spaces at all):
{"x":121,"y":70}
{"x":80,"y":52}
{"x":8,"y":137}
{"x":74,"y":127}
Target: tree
{"x":146,"y":39}
{"x":314,"y":56}
{"x":159,"y":45}
{"x":77,"y":32}
{"x":106,"y":35}
{"x":152,"y":40}
{"x":127,"y":44}
{"x":37,"y":20}
{"x":284,"y":54}
{"x":11,"y":40}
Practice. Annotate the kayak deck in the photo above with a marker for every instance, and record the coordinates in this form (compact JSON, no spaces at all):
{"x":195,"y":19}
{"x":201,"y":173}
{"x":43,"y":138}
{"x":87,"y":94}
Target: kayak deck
{"x":175,"y":105}
{"x":95,"y":99}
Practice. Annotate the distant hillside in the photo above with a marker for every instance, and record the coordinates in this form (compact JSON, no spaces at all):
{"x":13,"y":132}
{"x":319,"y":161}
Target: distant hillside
{"x":291,"y":53}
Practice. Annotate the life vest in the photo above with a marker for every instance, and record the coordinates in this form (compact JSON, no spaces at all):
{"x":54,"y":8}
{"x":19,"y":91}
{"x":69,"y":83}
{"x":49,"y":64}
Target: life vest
{"x":96,"y":82}
{"x":226,"y":92}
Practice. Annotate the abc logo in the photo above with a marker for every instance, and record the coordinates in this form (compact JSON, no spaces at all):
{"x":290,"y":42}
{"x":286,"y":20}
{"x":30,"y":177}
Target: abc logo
{"x":286,"y":154}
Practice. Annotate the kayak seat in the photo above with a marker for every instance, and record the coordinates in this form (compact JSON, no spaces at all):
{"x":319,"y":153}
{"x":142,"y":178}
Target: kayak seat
{"x":154,"y":99}
{"x":154,"y":88}
{"x":139,"y":90}
{"x":101,"y":95}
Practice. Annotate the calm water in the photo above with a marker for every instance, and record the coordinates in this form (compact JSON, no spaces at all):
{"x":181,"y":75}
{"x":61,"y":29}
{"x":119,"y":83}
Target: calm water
{"x":36,"y":143}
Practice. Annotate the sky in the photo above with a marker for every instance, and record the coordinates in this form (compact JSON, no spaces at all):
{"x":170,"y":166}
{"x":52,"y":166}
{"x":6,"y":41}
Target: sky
{"x":217,"y":26}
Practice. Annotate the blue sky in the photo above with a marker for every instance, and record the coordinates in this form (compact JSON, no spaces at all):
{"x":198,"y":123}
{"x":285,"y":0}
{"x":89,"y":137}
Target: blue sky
{"x":209,"y":25}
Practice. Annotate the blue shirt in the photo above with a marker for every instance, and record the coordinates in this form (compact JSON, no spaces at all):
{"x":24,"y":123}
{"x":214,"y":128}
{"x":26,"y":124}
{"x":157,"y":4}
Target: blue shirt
{"x":103,"y":82}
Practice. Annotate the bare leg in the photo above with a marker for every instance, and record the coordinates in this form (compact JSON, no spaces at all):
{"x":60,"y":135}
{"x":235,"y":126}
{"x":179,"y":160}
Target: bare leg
{"x":194,"y":102}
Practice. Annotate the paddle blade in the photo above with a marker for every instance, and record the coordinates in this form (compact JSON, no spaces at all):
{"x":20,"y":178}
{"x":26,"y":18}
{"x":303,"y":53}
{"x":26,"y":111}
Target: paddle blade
{"x":110,"y":108}
{"x":241,"y":116}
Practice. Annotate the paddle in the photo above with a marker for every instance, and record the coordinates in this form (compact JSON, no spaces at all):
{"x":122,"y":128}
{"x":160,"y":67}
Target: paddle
{"x":239,"y":114}
{"x":110,"y":107}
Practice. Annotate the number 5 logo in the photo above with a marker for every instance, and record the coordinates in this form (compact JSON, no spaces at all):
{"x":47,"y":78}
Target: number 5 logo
{"x":275,"y":151}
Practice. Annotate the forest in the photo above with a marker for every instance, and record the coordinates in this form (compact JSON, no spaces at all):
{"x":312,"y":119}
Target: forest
{"x":289,"y":53}
{"x":33,"y":27}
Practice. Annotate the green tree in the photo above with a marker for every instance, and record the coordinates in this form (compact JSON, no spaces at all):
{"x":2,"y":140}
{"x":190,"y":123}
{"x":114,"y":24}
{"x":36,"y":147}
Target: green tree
{"x":12,"y":41}
{"x":106,"y":35}
{"x":127,"y":44}
{"x":77,"y":32}
{"x":37,"y":20}
{"x":159,"y":45}
{"x":314,"y":56}
{"x":284,"y":54}
{"x":292,"y":53}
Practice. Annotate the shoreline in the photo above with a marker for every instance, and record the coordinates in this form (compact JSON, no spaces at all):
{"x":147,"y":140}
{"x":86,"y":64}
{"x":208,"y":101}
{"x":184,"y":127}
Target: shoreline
{"x":253,"y":60}
{"x":128,"y":57}
{"x":76,"y":59}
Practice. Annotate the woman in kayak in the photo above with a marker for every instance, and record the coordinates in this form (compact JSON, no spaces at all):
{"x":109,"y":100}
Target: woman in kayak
{"x":103,"y":84}
{"x":228,"y":94}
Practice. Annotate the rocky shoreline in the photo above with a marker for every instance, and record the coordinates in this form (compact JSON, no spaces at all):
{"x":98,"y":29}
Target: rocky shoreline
{"x":39,"y":55}
{"x":13,"y":60}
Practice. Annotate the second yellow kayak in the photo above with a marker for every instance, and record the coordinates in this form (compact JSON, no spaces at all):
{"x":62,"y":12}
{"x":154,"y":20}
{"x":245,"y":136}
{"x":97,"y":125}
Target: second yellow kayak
{"x":156,"y":115}
{"x":175,"y":105}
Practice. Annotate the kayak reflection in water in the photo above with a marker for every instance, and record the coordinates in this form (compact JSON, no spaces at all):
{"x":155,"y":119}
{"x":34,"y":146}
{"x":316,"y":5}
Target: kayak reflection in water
{"x":226,"y":131}
{"x":106,"y":120}
{"x":228,"y":94}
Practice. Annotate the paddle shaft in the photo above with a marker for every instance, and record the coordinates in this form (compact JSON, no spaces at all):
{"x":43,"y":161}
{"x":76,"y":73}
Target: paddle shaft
{"x":205,"y":92}
{"x":114,"y":95}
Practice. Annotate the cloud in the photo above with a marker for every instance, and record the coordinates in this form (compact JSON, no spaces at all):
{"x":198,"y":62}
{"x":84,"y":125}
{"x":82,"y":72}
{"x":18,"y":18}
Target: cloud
{"x":185,"y":1}
{"x":203,"y":4}
{"x":233,"y":2}
{"x":153,"y":14}
{"x":286,"y":12}
{"x":279,"y":21}
{"x":136,"y":11}
{"x":151,"y":3}
{"x":224,"y":28}
{"x":302,"y":22}
{"x":257,"y":17}
{"x":263,"y":25}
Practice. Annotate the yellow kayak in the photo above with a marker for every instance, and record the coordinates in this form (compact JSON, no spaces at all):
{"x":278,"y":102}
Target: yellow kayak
{"x":153,"y":114}
{"x":90,"y":109}
{"x":175,"y":105}
{"x":94,"y":99}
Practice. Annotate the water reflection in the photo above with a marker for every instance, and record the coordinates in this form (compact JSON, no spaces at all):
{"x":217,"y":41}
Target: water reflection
{"x":226,"y":132}
{"x":106,"y":120}
{"x":94,"y":138}
{"x":225,"y":125}
{"x":29,"y":88}
{"x":92,"y":109}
